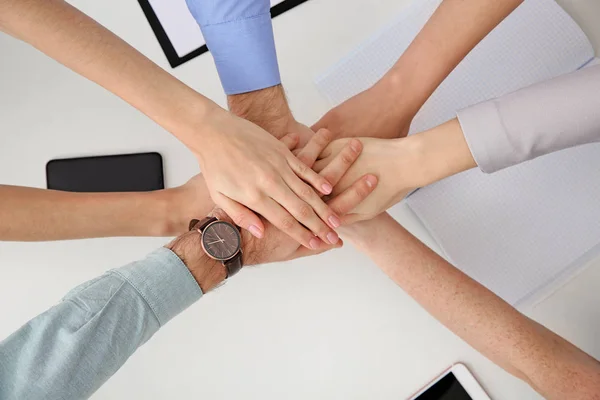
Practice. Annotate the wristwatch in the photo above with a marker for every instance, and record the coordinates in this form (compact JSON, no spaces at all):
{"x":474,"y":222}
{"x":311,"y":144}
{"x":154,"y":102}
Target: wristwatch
{"x":221,"y":241}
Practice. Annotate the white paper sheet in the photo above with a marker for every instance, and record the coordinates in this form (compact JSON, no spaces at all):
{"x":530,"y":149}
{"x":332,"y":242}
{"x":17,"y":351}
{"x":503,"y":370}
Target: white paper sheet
{"x":180,"y":26}
{"x":523,"y":229}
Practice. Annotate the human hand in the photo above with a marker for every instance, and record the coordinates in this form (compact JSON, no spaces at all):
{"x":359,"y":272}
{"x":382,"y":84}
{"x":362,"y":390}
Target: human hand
{"x":375,"y":112}
{"x":402,"y":165}
{"x":192,"y":200}
{"x":276,"y":246}
{"x":396,"y":164}
{"x":247,"y":169}
{"x":269,"y":109}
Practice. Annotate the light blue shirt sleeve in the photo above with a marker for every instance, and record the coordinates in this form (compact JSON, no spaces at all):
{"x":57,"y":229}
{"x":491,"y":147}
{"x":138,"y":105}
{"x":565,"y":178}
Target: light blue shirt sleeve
{"x":239,"y":34}
{"x":69,"y":351}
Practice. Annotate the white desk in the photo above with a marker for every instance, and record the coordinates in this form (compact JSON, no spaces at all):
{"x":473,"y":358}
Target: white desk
{"x":321,"y":328}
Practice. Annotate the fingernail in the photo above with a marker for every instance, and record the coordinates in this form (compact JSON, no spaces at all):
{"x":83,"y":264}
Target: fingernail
{"x":326,"y":188}
{"x":333,"y":237}
{"x":371,"y":181}
{"x":334,"y":221}
{"x":355,"y":144}
{"x":314,"y":243}
{"x":255,"y":231}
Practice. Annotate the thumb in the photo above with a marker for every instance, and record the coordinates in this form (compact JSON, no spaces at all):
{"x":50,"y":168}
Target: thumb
{"x":290,"y":140}
{"x":320,"y":124}
{"x":241,"y":215}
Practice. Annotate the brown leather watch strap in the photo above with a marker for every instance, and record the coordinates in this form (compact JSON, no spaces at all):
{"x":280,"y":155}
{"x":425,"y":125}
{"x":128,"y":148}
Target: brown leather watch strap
{"x":203,"y":223}
{"x":234,"y":265}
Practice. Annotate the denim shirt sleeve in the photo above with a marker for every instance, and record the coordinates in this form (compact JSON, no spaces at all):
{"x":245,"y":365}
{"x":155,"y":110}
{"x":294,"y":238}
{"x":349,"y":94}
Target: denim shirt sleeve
{"x":69,"y":351}
{"x":239,"y":34}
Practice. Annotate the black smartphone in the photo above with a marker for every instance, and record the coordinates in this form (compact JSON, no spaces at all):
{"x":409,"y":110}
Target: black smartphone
{"x":140,"y":172}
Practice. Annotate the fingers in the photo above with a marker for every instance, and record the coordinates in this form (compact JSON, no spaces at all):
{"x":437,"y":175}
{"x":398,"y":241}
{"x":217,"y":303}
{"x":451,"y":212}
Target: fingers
{"x":321,"y":164}
{"x":320,"y":124}
{"x":350,"y":219}
{"x":308,"y":175}
{"x":241,"y":216}
{"x":309,"y":153}
{"x":354,"y":195}
{"x":290,"y":140}
{"x":285,"y":222}
{"x":304,"y":252}
{"x":342,"y":162}
{"x":308,"y":208}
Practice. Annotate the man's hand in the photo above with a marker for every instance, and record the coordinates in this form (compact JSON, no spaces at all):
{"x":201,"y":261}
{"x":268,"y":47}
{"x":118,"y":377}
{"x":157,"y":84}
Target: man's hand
{"x":269,"y":109}
{"x":276,"y":245}
{"x":377,"y":112}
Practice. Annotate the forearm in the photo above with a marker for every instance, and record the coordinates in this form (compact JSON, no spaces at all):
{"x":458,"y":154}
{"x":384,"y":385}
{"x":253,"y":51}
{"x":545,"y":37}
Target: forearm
{"x":554,"y":367}
{"x":29,"y":214}
{"x":81,"y":44}
{"x":267,"y":108}
{"x":455,"y":28}
{"x":73,"y":348}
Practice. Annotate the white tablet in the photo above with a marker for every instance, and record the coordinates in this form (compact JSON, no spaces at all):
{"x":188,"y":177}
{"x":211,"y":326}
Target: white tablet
{"x":456,"y":383}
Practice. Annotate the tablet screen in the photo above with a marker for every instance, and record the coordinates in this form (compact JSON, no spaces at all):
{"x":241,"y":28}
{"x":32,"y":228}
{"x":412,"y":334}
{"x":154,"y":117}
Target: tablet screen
{"x":447,"y":388}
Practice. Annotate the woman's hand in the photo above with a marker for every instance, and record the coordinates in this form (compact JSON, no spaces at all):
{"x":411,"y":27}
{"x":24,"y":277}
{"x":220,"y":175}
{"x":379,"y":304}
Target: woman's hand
{"x":402,"y":165}
{"x":276,"y":245}
{"x":246,"y":169}
{"x":396,"y":164}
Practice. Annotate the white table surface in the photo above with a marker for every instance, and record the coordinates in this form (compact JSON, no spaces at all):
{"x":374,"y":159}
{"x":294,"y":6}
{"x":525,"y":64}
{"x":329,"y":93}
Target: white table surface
{"x":329,"y":327}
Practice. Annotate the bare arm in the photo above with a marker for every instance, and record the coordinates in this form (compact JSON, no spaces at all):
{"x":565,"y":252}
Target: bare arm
{"x":551,"y":365}
{"x":387,"y":109}
{"x":81,"y":44}
{"x":29,"y":214}
{"x":273,"y":182}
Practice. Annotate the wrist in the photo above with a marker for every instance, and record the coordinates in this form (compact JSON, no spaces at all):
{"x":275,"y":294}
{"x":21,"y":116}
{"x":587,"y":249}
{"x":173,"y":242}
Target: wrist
{"x":173,"y":220}
{"x":201,"y":119}
{"x":267,"y":108}
{"x":207,"y":272}
{"x":364,"y":234}
{"x":439,"y":153}
{"x":399,"y":94}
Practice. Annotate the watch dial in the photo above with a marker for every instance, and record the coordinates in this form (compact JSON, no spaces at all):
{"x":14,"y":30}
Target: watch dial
{"x":221,"y":240}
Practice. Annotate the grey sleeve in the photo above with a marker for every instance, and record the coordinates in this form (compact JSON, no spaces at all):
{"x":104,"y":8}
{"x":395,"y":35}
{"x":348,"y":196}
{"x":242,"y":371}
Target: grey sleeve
{"x":540,"y":119}
{"x":69,"y":351}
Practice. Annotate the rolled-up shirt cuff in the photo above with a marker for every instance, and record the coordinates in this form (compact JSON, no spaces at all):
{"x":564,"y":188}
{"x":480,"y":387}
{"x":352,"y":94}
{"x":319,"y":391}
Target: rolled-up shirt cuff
{"x":486,"y":137}
{"x":244,"y":53}
{"x":164,"y":281}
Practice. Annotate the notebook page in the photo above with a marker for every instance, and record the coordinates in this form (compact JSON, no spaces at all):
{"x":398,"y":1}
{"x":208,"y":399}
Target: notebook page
{"x":522,"y":229}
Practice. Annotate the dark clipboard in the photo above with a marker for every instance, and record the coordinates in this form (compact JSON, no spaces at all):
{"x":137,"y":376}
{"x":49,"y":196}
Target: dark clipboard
{"x":167,"y":46}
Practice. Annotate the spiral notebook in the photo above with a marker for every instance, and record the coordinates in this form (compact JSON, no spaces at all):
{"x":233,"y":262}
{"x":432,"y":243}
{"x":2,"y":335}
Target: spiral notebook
{"x":525,"y":230}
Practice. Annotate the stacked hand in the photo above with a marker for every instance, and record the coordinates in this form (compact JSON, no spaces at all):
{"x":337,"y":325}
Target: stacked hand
{"x":275,"y":244}
{"x":395,"y":162}
{"x":374,"y":112}
{"x":253,"y":171}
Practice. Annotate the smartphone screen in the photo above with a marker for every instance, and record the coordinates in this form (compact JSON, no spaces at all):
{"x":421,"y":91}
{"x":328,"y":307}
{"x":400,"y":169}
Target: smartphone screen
{"x":447,"y":388}
{"x":117,"y":173}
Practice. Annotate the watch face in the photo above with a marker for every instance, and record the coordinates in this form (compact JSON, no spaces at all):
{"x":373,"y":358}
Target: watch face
{"x":221,"y":240}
